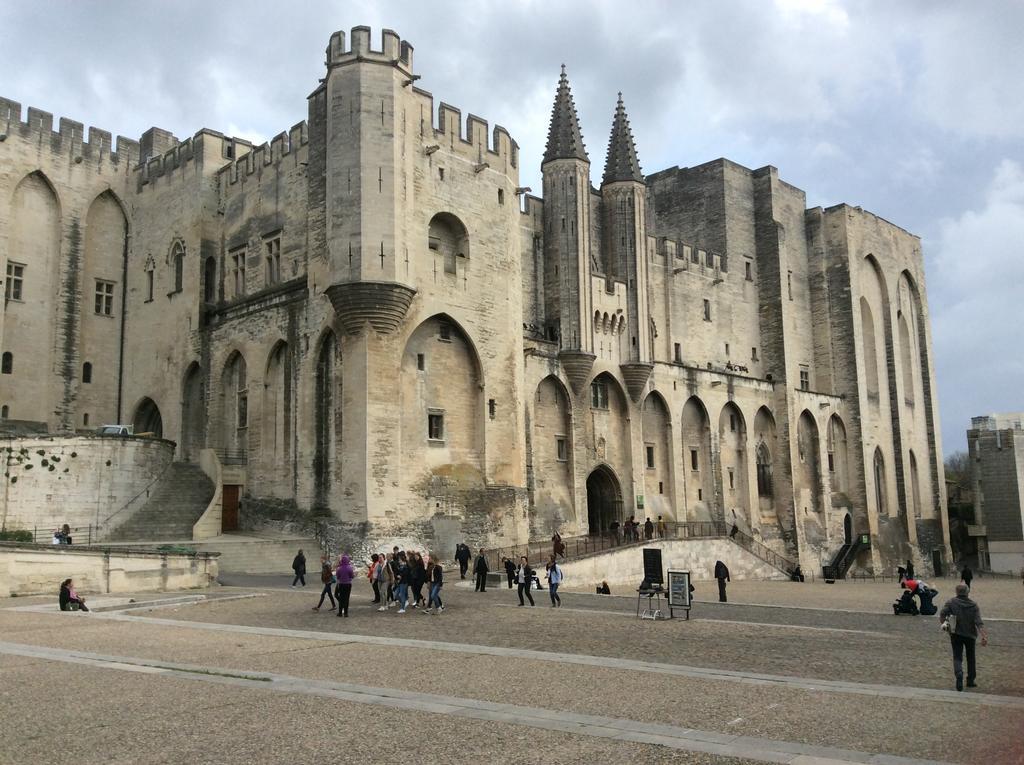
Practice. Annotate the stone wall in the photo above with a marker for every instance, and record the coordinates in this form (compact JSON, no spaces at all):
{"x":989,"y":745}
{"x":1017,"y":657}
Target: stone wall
{"x":81,"y":480}
{"x":625,"y":568}
{"x":39,"y":570}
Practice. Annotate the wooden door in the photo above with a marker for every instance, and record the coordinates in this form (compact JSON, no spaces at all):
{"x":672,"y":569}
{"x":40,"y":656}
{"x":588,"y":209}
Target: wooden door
{"x":229,"y":508}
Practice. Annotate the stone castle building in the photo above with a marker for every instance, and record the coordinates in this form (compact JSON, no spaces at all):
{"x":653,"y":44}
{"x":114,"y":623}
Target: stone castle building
{"x":371,"y":320}
{"x":995,"y":447}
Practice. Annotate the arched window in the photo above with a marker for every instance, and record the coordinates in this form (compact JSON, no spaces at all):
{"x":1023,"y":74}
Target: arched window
{"x":880,"y":488}
{"x":5,"y":411}
{"x":178,"y":261}
{"x":7,"y":363}
{"x":448,"y":237}
{"x":764,"y":471}
{"x":87,"y":372}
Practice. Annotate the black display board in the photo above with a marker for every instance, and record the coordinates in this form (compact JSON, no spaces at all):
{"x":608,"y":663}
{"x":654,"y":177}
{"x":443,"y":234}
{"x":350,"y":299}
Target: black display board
{"x":652,"y":565}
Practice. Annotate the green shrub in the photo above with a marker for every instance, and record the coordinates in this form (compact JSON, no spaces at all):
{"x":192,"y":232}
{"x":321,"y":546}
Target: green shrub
{"x":20,"y":535}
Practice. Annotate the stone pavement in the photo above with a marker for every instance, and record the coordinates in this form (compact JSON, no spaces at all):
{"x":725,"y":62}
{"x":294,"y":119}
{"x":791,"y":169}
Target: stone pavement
{"x":251,"y":678}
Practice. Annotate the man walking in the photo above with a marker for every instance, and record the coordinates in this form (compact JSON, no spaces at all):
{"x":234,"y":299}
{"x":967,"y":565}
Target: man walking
{"x":524,"y":578}
{"x":462,"y":556}
{"x":662,"y":528}
{"x":299,"y":567}
{"x":480,"y":570}
{"x":510,"y":571}
{"x":961,"y":618}
{"x":722,"y":575}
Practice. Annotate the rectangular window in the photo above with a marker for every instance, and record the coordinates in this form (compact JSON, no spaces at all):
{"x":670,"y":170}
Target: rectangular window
{"x":650,"y":456}
{"x":831,"y":462}
{"x":243,"y":409}
{"x":435,"y":426}
{"x":805,"y":379}
{"x":104,"y":303}
{"x":15,"y":280}
{"x":562,"y":448}
{"x":707,"y":310}
{"x":678,"y":353}
{"x":149,"y":286}
{"x":732,"y":423}
{"x":732,"y":479}
{"x":445,"y":331}
{"x":693,"y":460}
{"x":599,"y":394}
{"x":789,"y":283}
{"x":749,"y":270}
{"x":661,"y":487}
{"x":238,"y":271}
{"x":501,"y":196}
{"x":273,"y":259}
{"x":440,"y":173}
{"x":420,"y":362}
{"x":727,"y":350}
{"x":492,"y":408}
{"x":753,"y":354}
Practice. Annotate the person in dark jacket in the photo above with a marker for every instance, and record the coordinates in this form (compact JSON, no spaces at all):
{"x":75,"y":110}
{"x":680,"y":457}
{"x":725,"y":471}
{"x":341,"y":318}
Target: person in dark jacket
{"x":524,"y":578}
{"x":435,"y":573}
{"x":299,"y":567}
{"x":648,"y":529}
{"x":722,"y":575}
{"x":418,"y":575}
{"x":510,"y":571}
{"x":68,"y":598}
{"x":462,"y":556}
{"x":961,"y":617}
{"x":480,"y":570}
{"x":327,"y":579}
{"x":966,"y":575}
{"x":557,"y":545}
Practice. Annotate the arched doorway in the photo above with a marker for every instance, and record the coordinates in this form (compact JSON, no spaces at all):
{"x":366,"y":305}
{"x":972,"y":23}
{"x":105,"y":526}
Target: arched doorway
{"x":604,"y":500}
{"x":848,"y":529}
{"x":147,"y":419}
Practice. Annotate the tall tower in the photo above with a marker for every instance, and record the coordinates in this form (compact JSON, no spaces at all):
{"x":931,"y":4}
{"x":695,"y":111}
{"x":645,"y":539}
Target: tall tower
{"x":566,"y":174}
{"x":624,"y":205}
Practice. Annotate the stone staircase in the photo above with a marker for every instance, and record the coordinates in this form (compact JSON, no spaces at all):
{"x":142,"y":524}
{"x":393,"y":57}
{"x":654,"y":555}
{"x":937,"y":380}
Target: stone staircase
{"x":262,"y":552}
{"x":176,"y":503}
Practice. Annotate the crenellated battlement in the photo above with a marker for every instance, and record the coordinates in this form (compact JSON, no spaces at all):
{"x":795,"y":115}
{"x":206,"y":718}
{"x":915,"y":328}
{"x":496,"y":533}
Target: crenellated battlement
{"x":471,"y":135}
{"x":69,"y":138}
{"x":282,"y":145}
{"x":393,"y":51}
{"x":208,"y":148}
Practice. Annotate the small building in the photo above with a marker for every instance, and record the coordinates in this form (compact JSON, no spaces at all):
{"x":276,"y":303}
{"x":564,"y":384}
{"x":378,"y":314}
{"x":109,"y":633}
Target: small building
{"x":996,"y":446}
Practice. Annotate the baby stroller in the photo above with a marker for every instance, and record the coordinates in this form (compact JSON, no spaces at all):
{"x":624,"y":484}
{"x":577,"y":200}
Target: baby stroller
{"x":906,"y":604}
{"x":926,"y":594}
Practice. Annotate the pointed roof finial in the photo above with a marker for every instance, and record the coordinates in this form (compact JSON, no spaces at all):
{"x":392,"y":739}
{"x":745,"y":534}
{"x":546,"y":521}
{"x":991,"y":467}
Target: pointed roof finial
{"x":622,"y":163}
{"x":565,"y":141}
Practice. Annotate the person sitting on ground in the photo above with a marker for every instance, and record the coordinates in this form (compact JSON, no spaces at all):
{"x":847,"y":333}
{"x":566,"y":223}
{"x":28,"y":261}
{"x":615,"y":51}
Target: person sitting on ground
{"x":58,"y":537}
{"x":69,"y":599}
{"x":797,"y":575}
{"x":65,"y":535}
{"x":603,"y":588}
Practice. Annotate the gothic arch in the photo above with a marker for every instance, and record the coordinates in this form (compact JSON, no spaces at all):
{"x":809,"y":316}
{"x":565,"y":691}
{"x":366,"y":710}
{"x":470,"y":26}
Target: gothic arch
{"x":698,"y":470}
{"x":276,"y":408}
{"x":838,"y":455}
{"x":732,"y":446}
{"x":808,"y":468}
{"x":193,"y":412}
{"x":765,"y":452}
{"x":147,"y":419}
{"x":234,"y":394}
{"x":443,"y":416}
{"x":656,"y":421}
{"x":327,"y":412}
{"x":551,"y":452}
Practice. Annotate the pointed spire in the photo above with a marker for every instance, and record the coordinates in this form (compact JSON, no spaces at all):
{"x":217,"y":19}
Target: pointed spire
{"x":622,"y":164}
{"x":564,"y":138}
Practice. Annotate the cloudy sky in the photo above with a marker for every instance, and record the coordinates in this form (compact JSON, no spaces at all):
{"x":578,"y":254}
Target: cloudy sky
{"x":913,"y":110}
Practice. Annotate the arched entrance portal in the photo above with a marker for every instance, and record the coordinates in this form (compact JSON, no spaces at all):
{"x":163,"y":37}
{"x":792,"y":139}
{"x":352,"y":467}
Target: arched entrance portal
{"x":604,"y":500}
{"x":147,"y":419}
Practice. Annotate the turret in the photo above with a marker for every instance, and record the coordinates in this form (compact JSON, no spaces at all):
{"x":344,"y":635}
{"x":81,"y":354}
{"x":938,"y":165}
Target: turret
{"x":355,"y":176}
{"x":566,"y":173}
{"x":624,"y":204}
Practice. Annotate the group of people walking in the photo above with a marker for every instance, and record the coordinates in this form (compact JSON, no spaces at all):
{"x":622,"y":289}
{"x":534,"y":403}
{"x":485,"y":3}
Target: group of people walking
{"x":631,"y":529}
{"x":398,"y":579}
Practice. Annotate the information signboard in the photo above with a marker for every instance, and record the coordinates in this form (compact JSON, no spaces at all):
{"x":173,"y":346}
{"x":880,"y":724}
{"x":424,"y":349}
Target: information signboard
{"x":679,"y":591}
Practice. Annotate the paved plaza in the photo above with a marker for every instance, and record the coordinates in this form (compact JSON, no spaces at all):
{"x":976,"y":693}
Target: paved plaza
{"x":249,"y":673}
